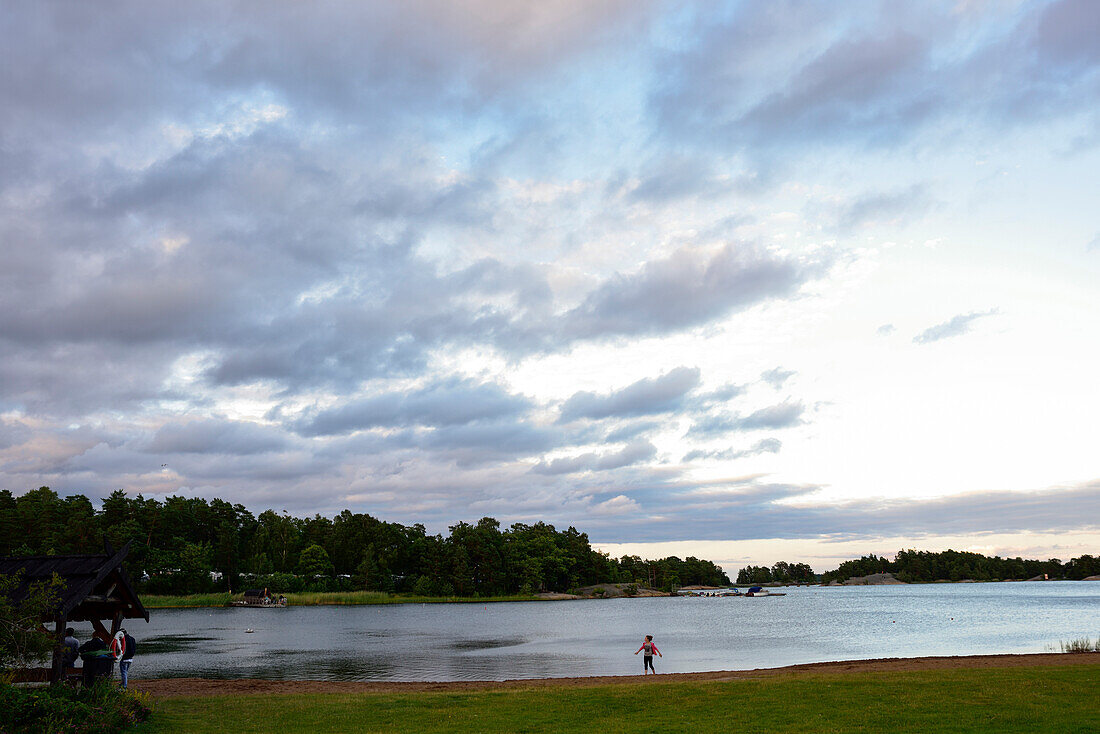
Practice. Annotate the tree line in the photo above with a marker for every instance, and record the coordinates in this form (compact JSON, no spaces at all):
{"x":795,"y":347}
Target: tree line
{"x":796,"y":573}
{"x":913,"y":566}
{"x":186,"y":545}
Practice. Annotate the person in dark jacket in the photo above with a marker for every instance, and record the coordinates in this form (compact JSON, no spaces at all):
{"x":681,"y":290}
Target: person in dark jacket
{"x":98,"y":661}
{"x":127,"y":657}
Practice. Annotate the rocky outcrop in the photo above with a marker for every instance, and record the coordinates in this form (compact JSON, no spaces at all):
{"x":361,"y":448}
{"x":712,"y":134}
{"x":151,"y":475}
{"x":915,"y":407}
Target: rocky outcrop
{"x":875,"y":579}
{"x":1092,"y":578}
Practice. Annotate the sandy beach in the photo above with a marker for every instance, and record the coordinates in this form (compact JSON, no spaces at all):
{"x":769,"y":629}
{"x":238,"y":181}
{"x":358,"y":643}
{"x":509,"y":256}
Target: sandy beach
{"x":171,"y":687}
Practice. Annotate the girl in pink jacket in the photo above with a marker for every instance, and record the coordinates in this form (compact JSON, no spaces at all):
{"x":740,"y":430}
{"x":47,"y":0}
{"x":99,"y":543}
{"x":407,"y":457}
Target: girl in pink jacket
{"x":647,"y":660}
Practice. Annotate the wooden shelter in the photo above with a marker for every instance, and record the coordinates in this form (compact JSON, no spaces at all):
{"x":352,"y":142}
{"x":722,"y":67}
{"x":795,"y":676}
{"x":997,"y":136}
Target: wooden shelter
{"x":96,"y":589}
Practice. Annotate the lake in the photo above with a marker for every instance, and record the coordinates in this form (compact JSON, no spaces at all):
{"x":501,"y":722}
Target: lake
{"x":470,"y":641}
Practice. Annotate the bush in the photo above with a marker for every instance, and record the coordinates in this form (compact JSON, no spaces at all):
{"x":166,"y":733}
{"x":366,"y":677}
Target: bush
{"x":1083,"y":644}
{"x":631,"y":590}
{"x":100,"y":709}
{"x":280,"y":583}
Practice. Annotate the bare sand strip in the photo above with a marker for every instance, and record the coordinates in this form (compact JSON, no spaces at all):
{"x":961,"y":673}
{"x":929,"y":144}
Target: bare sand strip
{"x":169,"y":687}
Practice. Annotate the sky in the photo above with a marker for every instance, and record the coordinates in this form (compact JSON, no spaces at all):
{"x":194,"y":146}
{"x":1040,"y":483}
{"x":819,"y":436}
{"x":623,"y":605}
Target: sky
{"x":748,"y":281}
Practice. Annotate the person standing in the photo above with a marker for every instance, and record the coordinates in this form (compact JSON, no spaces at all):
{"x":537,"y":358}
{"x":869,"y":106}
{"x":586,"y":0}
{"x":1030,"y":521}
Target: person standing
{"x":128,"y":649}
{"x":647,"y":659}
{"x":98,"y":660}
{"x":70,"y":648}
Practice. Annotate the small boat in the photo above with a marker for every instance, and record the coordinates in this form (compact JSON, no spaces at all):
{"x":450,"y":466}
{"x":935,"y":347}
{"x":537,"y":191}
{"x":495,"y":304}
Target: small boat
{"x":250,"y":630}
{"x":760,"y":591}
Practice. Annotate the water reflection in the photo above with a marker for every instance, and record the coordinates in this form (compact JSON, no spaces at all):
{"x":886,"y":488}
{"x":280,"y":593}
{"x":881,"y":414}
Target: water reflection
{"x":487,"y":644}
{"x":158,"y":644}
{"x":526,"y":640}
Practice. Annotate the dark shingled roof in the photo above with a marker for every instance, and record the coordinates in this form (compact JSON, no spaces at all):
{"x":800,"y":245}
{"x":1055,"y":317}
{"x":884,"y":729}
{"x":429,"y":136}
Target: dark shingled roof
{"x":95,"y":586}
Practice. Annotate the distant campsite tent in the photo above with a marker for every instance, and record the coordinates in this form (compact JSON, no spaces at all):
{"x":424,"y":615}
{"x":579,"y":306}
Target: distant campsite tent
{"x":95,"y":589}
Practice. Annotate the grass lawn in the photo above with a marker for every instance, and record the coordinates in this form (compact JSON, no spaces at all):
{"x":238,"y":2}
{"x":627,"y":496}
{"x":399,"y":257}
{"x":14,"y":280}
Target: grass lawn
{"x":1052,"y":699}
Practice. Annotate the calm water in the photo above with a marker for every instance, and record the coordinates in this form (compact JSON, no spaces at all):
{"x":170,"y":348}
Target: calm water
{"x":574,"y":638}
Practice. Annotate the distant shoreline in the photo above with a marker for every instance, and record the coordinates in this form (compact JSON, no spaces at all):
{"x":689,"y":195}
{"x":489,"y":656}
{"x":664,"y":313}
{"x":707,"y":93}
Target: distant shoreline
{"x":203,"y":687}
{"x":369,"y":598}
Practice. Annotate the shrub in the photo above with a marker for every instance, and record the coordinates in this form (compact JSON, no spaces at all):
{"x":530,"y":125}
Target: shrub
{"x":1082,"y":645}
{"x":99,"y":709}
{"x":631,"y":590}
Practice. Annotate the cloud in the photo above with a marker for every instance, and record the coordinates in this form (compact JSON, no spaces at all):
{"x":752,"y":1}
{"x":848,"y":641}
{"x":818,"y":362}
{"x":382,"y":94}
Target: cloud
{"x":645,"y":397}
{"x":617,"y":505}
{"x":212,"y":436}
{"x":688,"y":289}
{"x":675,"y":178}
{"x":763,"y":446}
{"x":630,"y":430}
{"x":750,"y":509}
{"x":955,"y":326}
{"x":773,"y":417}
{"x":780,"y":80}
{"x":777,"y":376}
{"x":449,"y":402}
{"x":885,"y":208}
{"x":363,"y":222}
{"x":633,"y":453}
{"x":885,"y":330}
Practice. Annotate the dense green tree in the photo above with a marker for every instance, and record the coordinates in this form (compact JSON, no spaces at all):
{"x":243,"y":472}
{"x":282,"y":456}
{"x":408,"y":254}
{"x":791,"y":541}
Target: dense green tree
{"x":314,"y":561}
{"x":754,"y":575}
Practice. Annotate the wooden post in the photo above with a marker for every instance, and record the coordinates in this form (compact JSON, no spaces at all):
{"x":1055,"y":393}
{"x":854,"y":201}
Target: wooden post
{"x":57,"y":666}
{"x":101,"y":631}
{"x":116,"y":623}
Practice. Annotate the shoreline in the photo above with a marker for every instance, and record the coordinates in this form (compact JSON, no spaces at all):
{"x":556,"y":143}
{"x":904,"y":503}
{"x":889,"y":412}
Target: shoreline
{"x":351,"y":599}
{"x":208,"y":687}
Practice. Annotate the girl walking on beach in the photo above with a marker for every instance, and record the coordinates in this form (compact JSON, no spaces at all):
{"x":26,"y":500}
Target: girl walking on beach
{"x":647,"y":660}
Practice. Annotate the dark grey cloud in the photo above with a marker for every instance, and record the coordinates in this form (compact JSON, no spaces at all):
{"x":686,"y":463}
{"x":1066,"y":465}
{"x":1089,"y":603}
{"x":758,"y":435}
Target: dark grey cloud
{"x":479,"y":443}
{"x":741,"y":82}
{"x":688,"y":289}
{"x":644,"y":397}
{"x":774,"y":417}
{"x":446,"y":403}
{"x":212,"y":436}
{"x":954,"y":326}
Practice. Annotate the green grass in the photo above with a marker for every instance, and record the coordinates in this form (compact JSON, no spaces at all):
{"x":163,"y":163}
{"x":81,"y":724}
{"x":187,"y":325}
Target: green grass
{"x":325,"y":598}
{"x":1057,"y":699}
{"x":158,"y":601}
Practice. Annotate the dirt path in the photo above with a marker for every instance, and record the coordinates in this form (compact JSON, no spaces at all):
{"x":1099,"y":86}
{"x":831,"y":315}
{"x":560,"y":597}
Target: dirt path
{"x":167,"y":687}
